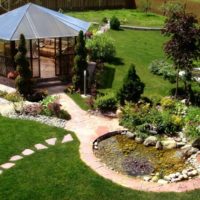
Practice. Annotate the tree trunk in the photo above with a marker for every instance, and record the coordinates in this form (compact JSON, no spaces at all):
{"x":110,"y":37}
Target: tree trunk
{"x":177,"y":83}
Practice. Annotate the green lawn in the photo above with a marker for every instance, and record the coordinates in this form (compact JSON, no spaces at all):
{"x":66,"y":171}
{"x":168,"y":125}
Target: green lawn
{"x":126,"y":16}
{"x":79,"y":101}
{"x":58,"y":173}
{"x":139,"y":48}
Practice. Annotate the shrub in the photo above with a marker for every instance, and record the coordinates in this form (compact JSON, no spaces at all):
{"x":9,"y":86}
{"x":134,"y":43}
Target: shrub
{"x":101,"y":47}
{"x":167,"y":103}
{"x":106,"y":103}
{"x":37,"y":96}
{"x":105,"y":20}
{"x":32,"y":109}
{"x":13,"y":97}
{"x":3,"y":93}
{"x":63,"y":114}
{"x":114,"y":23}
{"x":132,"y":87}
{"x":164,"y":69}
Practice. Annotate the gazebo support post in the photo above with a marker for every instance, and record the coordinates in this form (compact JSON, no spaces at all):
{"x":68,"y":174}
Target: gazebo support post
{"x":60,"y":55}
{"x":31,"y":55}
{"x":12,"y":53}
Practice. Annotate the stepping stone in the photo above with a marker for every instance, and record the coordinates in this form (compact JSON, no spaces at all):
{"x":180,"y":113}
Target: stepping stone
{"x":7,"y":165}
{"x":27,"y":152}
{"x":67,"y":138}
{"x":15,"y":158}
{"x":40,"y":147}
{"x":51,"y":141}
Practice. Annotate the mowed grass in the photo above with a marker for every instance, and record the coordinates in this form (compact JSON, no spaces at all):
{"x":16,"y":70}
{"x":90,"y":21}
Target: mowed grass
{"x":126,"y":16}
{"x":17,"y":135}
{"x":58,"y":173}
{"x":79,"y":101}
{"x":139,"y":48}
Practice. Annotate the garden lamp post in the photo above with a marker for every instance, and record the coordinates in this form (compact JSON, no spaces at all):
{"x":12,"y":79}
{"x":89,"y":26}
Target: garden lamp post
{"x":85,"y":76}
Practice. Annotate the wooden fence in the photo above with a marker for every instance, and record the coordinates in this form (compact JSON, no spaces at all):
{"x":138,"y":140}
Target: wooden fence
{"x":79,"y":4}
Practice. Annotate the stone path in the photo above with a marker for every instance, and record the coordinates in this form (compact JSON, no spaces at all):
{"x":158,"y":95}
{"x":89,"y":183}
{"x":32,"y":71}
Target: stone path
{"x":28,"y":152}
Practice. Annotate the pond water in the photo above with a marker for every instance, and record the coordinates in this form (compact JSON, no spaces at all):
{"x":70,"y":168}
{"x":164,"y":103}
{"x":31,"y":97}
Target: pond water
{"x":126,"y":156}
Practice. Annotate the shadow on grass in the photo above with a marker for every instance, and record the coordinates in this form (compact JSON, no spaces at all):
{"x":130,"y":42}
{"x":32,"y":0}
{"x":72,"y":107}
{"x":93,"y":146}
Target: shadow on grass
{"x":116,"y":61}
{"x":107,"y":77}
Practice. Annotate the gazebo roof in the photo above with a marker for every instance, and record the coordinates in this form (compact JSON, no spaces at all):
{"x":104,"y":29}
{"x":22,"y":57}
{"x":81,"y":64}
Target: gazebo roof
{"x":38,"y":22}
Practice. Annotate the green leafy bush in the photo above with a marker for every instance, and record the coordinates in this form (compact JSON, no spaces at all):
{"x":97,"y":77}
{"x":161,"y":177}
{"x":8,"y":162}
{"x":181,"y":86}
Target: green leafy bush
{"x":101,"y":47}
{"x":132,"y":87}
{"x":106,"y":103}
{"x":114,"y":23}
{"x":164,"y":69}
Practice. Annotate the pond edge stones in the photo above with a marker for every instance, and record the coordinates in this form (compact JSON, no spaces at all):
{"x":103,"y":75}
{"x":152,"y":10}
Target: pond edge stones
{"x":167,"y":143}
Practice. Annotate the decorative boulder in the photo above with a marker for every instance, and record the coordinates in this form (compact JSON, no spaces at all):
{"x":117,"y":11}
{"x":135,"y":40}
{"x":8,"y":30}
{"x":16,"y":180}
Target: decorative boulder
{"x":130,"y":135}
{"x":196,"y":143}
{"x":169,"y":144}
{"x":150,"y":141}
{"x":188,"y":150}
{"x":159,"y":145}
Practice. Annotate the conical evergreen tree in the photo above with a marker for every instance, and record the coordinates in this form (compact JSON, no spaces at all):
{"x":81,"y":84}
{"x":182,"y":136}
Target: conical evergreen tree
{"x":132,"y":87}
{"x":80,"y":62}
{"x":23,"y":81}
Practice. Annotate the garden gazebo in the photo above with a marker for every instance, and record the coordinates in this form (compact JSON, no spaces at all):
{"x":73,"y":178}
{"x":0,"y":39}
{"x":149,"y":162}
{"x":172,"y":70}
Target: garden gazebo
{"x":50,"y":36}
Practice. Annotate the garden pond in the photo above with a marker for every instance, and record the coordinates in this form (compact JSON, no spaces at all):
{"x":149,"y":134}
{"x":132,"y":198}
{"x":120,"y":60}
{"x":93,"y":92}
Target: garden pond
{"x":126,"y":156}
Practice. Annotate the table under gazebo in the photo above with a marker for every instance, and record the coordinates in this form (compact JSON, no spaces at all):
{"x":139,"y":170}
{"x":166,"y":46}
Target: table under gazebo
{"x":50,"y":35}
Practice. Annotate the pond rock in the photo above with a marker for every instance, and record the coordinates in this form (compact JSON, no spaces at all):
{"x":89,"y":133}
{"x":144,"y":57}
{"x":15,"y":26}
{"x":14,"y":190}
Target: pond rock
{"x":169,"y":144}
{"x":150,"y":141}
{"x":196,"y":143}
{"x":188,"y":150}
{"x":130,"y":135}
{"x":139,"y":140}
{"x":162,"y":181}
{"x":159,"y":145}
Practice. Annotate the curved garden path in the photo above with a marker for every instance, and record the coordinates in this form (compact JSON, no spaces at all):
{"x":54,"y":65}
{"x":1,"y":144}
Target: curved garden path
{"x":88,"y":128}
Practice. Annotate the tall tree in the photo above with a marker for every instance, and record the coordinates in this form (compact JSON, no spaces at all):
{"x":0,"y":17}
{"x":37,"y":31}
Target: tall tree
{"x":23,"y":80}
{"x":80,"y":62}
{"x":184,"y":44}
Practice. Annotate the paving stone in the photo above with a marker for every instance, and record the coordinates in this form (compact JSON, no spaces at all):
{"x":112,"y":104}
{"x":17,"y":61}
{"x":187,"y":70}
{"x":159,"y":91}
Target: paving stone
{"x":15,"y":158}
{"x":67,"y":138}
{"x":40,"y":147}
{"x":51,"y":141}
{"x":27,"y":152}
{"x":7,"y":165}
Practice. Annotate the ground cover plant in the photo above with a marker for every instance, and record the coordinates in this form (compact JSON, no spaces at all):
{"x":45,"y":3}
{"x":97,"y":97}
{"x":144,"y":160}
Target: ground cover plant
{"x":57,"y":173}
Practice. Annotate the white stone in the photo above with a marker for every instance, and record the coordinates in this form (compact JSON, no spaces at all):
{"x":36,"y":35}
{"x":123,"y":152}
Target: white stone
{"x":40,"y":147}
{"x":150,"y":141}
{"x":15,"y":158}
{"x":51,"y":141}
{"x":147,"y":178}
{"x":162,"y":181}
{"x":169,"y":144}
{"x":27,"y":152}
{"x":67,"y":138}
{"x":7,"y":165}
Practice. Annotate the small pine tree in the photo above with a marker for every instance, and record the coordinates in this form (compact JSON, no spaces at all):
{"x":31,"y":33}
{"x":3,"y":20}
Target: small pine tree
{"x":114,"y":23}
{"x":80,"y":62}
{"x":23,"y":81}
{"x":132,"y":87}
